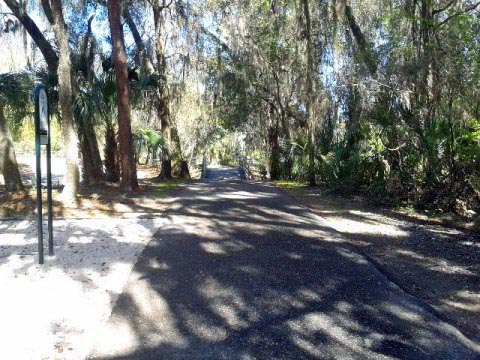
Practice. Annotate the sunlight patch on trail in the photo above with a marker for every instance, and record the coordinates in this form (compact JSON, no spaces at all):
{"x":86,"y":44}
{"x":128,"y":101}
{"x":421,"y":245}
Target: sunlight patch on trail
{"x":365,"y":223}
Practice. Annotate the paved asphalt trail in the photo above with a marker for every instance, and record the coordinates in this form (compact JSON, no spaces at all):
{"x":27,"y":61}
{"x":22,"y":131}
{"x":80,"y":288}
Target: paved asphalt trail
{"x":242,"y":271}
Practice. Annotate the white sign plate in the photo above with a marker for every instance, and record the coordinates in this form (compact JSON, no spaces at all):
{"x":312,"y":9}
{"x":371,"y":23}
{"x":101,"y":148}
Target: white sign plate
{"x":43,"y":116}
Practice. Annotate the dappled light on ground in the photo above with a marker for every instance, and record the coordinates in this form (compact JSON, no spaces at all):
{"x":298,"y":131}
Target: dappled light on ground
{"x":53,"y":310}
{"x":440,"y":265}
{"x":245,"y":277}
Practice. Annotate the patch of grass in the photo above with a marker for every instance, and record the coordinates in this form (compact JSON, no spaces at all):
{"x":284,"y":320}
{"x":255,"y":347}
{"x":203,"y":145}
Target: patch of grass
{"x":290,"y":184}
{"x":162,"y":187}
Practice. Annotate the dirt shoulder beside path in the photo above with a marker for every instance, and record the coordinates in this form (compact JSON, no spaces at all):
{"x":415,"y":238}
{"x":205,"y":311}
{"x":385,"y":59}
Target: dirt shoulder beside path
{"x":437,"y":264}
{"x":104,"y":200}
{"x":53,"y":311}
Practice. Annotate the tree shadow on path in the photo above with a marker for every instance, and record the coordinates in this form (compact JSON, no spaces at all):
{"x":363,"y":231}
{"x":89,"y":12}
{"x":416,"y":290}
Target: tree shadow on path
{"x":241,"y":271}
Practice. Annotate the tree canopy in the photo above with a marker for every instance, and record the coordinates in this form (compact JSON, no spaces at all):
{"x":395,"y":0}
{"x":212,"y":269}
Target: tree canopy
{"x":379,"y":96}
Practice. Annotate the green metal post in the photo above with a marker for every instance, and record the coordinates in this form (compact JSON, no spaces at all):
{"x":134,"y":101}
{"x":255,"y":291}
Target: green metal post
{"x":39,"y":179}
{"x":49,"y":193}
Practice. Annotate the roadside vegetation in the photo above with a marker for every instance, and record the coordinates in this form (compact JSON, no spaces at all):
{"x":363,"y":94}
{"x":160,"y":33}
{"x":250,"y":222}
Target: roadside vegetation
{"x":377,"y":97}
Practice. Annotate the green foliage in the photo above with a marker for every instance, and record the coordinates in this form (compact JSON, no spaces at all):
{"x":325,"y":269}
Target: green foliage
{"x":16,"y":91}
{"x":149,"y":143}
{"x":96,"y":100}
{"x":297,"y":153}
{"x":336,"y":167}
{"x":24,"y":137}
{"x":142,"y":91}
{"x":469,"y":142}
{"x":395,"y":97}
{"x":225,"y":149}
{"x":290,"y":184}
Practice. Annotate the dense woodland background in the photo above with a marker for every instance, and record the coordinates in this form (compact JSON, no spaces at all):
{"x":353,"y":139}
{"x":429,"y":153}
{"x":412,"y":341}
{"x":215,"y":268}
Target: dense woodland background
{"x":380,"y":97}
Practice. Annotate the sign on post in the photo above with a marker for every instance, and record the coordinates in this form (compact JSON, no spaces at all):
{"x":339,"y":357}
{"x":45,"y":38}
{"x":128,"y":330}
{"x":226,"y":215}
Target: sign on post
{"x":43,"y":116}
{"x":42,"y":137}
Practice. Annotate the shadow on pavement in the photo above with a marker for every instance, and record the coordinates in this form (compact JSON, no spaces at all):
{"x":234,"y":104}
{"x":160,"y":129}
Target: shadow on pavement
{"x":242,"y":271}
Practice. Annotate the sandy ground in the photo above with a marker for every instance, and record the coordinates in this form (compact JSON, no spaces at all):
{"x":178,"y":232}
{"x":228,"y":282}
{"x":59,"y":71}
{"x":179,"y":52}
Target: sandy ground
{"x":52,"y":311}
{"x":27,"y":163}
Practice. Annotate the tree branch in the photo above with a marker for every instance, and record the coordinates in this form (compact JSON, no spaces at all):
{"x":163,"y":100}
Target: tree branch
{"x":360,"y":39}
{"x":133,"y":29}
{"x":438,"y":11}
{"x":47,"y":9}
{"x":50,"y":56}
{"x":464,"y":11}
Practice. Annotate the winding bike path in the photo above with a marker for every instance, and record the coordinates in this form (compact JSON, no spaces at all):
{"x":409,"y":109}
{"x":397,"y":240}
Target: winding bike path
{"x":242,"y":271}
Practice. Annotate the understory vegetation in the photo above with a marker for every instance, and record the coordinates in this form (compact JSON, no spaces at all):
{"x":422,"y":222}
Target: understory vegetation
{"x":395,"y":101}
{"x":379,"y":97}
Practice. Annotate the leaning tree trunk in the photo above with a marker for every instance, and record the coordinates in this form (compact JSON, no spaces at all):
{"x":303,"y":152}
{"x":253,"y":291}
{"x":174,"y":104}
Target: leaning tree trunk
{"x":127,"y":157}
{"x":64,"y":71}
{"x":8,"y":161}
{"x":143,"y":58}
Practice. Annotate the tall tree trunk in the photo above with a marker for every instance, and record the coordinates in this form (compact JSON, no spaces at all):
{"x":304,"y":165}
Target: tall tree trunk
{"x":429,"y":93}
{"x":127,"y":157}
{"x":92,"y":162}
{"x":111,"y":151}
{"x":54,"y":13}
{"x":273,"y":130}
{"x":97,"y":171}
{"x":309,"y":89}
{"x":8,"y":161}
{"x":163,"y":98}
{"x":92,"y":170}
{"x":169,"y":132}
{"x":182,"y":165}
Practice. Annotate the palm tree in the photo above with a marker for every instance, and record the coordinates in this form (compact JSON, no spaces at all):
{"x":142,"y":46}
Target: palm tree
{"x":152,"y":141}
{"x":104,"y":91}
{"x":96,"y":102}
